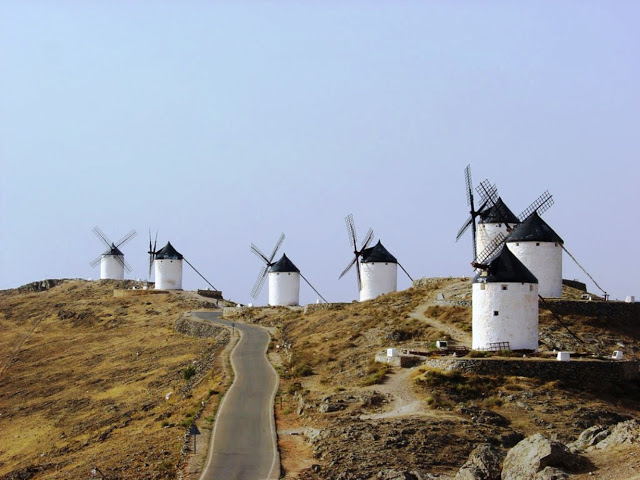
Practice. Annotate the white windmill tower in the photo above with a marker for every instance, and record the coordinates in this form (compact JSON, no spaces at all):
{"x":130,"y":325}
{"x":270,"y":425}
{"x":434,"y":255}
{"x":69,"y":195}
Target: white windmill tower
{"x":167,"y":263}
{"x":505,"y":304}
{"x":112,"y":262}
{"x":539,"y":248}
{"x":284,"y":278}
{"x":377,"y":270}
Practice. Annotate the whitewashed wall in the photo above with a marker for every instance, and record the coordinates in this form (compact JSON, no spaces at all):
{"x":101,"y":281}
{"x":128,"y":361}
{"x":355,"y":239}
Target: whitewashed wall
{"x":544,"y":259}
{"x":517,"y":319}
{"x":284,"y":288}
{"x":111,"y":268}
{"x":168,"y":274}
{"x":378,"y":279}
{"x":486,"y":232}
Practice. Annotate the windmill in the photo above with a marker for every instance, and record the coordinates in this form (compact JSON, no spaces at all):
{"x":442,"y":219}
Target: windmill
{"x":284,"y":278}
{"x":376,"y":268}
{"x":112,"y":262}
{"x":489,"y":197}
{"x":357,"y":252}
{"x":167,"y":266}
{"x":537,"y":207}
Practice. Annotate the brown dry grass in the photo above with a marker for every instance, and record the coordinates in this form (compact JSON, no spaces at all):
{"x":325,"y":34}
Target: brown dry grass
{"x":87,"y":387}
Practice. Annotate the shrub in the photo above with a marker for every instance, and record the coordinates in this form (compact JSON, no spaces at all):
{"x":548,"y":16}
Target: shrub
{"x":302,"y":370}
{"x":189,"y":372}
{"x":376,"y":373}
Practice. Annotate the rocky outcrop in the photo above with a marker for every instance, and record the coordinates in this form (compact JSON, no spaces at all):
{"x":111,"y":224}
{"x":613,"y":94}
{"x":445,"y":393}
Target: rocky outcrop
{"x":537,"y":458}
{"x":483,"y":464}
{"x":200,"y":328}
{"x":599,"y":437}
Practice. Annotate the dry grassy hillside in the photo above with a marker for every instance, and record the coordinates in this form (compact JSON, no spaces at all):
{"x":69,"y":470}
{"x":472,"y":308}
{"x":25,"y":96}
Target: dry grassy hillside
{"x":349,"y":417}
{"x":85,"y":377}
{"x":89,"y":379}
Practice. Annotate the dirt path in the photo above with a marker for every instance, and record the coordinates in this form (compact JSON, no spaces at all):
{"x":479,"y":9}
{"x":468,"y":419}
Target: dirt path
{"x":404,"y":402}
{"x":461,"y":337}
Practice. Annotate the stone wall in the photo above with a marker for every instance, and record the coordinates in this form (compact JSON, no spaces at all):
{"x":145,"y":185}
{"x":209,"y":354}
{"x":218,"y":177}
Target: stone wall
{"x":217,"y":294}
{"x":602,"y":310}
{"x":576,"y":371}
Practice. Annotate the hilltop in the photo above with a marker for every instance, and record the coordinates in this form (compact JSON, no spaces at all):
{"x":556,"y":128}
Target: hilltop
{"x":100,"y":375}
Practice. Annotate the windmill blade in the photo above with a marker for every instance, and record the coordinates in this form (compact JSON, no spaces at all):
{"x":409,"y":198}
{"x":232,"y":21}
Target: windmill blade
{"x":469,"y":184}
{"x":491,"y":249}
{"x":348,"y":267}
{"x":100,"y":234}
{"x":351,"y":231}
{"x":257,"y":287}
{"x":126,"y":265}
{"x":540,"y":205}
{"x":151,"y":252}
{"x":473,"y":236}
{"x":259,"y":254}
{"x":96,"y":261}
{"x":403,"y":269}
{"x":196,"y":270}
{"x":488,"y":194}
{"x":367,"y":240}
{"x":126,"y":239}
{"x":359,"y":274}
{"x":464,"y":227}
{"x":312,"y":287}
{"x":275,"y":249}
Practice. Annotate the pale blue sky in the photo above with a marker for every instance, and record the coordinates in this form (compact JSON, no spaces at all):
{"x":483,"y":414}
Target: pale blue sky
{"x":225,"y":123}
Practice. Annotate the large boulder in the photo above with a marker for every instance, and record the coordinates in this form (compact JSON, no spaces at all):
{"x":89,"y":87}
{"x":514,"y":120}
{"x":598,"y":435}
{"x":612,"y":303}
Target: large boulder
{"x":483,"y":464}
{"x":534,"y":454}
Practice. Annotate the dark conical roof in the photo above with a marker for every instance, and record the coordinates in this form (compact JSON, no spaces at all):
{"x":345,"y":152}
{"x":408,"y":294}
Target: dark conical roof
{"x":505,"y":267}
{"x":284,"y":265}
{"x":377,"y":253}
{"x":534,"y":229}
{"x":498,"y":213}
{"x":113,"y":250}
{"x":168,"y":252}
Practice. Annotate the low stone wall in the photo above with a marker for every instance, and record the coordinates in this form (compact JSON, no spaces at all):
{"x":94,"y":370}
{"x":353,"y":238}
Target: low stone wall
{"x":602,"y":310}
{"x":216,"y":294}
{"x":403,"y":361}
{"x":575,"y":371}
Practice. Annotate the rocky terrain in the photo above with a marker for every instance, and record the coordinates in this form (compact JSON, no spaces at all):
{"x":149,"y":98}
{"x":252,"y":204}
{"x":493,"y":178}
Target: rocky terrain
{"x":94,"y":374}
{"x":344,"y":417}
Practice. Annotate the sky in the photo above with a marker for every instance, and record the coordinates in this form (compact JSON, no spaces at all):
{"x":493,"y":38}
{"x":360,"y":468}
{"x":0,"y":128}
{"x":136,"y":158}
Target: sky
{"x":219,"y":124}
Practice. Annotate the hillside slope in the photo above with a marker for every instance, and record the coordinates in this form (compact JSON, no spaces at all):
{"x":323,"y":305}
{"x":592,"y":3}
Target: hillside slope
{"x":344,"y":416}
{"x":89,"y":379}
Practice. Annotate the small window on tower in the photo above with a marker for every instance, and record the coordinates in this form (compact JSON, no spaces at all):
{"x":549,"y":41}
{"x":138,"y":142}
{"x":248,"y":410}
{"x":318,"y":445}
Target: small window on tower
{"x":505,"y":287}
{"x":537,"y":244}
{"x":531,"y":288}
{"x":517,"y":244}
{"x":289,"y":273}
{"x":556,"y":244}
{"x":495,"y":313}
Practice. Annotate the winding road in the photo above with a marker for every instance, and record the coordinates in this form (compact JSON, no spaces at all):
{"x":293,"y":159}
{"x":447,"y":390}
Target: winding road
{"x":244,"y":445}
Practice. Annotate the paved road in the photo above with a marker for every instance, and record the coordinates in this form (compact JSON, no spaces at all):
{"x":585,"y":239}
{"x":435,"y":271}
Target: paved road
{"x":244,"y":439}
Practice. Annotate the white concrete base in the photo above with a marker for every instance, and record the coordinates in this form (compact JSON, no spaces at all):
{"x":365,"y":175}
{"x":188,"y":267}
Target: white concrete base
{"x":564,"y":356}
